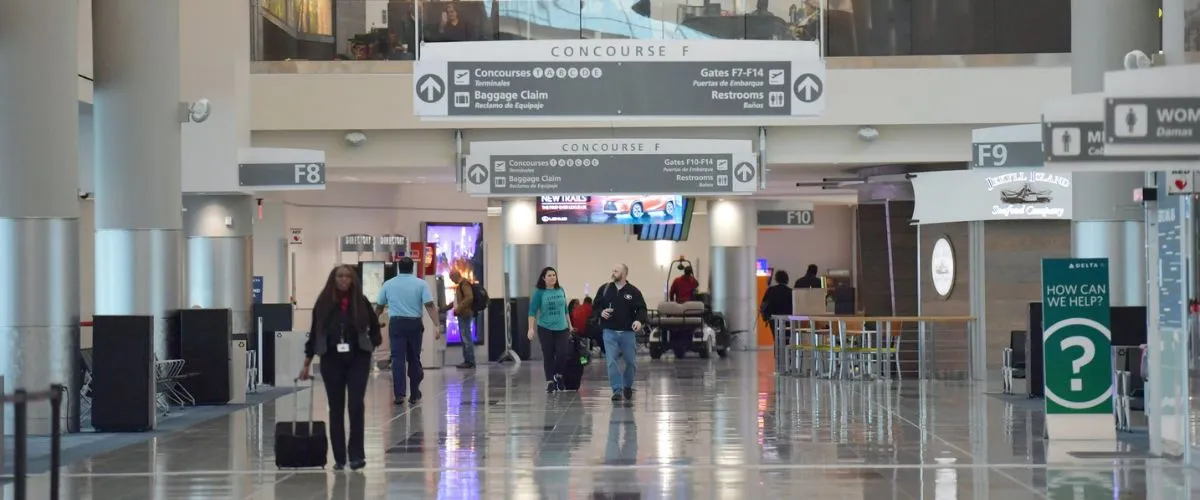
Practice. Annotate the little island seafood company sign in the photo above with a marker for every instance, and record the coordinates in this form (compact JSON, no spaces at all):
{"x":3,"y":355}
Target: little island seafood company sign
{"x":1029,"y":194}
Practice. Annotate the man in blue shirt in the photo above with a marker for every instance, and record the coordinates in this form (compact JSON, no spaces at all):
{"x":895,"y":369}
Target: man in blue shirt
{"x":405,"y":296}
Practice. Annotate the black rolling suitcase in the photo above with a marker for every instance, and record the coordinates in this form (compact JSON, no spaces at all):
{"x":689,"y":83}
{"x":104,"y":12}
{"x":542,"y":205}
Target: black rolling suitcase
{"x":301,"y":444}
{"x":581,"y":356}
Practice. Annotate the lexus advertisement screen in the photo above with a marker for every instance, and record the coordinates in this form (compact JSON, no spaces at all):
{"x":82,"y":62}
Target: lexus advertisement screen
{"x":640,"y":209}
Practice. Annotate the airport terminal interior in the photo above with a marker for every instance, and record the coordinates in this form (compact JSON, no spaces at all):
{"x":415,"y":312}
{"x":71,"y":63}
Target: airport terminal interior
{"x":806,"y":248}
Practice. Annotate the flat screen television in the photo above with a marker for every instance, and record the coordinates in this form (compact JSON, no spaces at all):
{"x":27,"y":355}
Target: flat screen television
{"x":459,"y":247}
{"x":638,"y":209}
{"x":674,"y":231}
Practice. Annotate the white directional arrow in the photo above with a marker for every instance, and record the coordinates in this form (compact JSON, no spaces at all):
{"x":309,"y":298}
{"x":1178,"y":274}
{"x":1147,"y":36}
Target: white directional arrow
{"x":478,"y":174}
{"x":744,"y":172}
{"x":431,"y":88}
{"x":809,"y":87}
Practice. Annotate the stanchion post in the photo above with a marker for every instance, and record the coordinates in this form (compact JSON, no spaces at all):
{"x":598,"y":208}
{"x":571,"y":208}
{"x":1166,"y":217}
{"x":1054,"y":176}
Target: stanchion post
{"x":56,"y":397}
{"x":20,"y":453}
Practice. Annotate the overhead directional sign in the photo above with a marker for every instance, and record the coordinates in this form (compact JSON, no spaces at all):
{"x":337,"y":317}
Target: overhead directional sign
{"x":1075,"y":142}
{"x":1074,"y":138}
{"x":611,"y":166}
{"x":619,"y":78}
{"x":1153,"y":120}
{"x":1153,"y":111}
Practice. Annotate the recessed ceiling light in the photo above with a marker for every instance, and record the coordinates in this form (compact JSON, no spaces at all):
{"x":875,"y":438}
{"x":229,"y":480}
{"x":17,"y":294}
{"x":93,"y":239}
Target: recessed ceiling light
{"x":351,"y":178}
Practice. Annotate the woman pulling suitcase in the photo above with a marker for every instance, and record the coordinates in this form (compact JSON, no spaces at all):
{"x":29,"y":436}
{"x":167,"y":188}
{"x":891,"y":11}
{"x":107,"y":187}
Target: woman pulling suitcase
{"x":344,"y":333}
{"x":548,"y":322}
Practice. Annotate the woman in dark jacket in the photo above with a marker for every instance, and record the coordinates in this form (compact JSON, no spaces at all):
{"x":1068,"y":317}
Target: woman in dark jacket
{"x":777,"y":301}
{"x":344,"y":333}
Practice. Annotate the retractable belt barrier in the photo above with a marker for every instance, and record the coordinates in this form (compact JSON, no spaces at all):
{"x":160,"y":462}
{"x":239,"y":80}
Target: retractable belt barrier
{"x":20,"y":400}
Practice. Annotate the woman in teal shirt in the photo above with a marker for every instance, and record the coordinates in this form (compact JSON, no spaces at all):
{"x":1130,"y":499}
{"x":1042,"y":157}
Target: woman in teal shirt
{"x":548,"y":321}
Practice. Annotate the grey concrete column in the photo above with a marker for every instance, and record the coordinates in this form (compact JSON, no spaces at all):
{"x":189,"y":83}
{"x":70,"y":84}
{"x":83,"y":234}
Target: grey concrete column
{"x":39,"y":206}
{"x":1106,"y":223}
{"x":219,"y":255}
{"x":733,"y":229}
{"x":528,"y":246}
{"x":137,"y":131}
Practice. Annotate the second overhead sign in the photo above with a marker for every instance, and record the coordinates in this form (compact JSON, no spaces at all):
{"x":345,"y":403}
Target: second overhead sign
{"x":615,"y":166}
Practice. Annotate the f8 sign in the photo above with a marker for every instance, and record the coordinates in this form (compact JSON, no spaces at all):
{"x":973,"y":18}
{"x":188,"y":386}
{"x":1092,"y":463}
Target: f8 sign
{"x":308,"y":174}
{"x":281,"y":176}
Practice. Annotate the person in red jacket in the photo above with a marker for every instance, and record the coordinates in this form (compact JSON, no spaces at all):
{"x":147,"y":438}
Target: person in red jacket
{"x":683,"y":289}
{"x":580,"y":315}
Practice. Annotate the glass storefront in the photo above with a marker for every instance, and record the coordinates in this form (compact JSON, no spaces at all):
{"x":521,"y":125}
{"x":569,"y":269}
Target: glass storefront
{"x":392,"y":29}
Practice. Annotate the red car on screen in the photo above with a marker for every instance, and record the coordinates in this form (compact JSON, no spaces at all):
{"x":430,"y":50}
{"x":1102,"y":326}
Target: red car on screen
{"x":638,"y":206}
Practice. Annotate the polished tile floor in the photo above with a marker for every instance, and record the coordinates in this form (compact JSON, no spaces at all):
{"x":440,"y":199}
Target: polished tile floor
{"x":715,"y":429}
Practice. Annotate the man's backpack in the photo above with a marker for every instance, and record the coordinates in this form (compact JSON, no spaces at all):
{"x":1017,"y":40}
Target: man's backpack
{"x":479,"y":298}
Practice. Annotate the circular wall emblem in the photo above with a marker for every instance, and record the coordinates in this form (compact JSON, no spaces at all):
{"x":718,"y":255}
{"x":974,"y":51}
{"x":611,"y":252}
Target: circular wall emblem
{"x":942,"y":267}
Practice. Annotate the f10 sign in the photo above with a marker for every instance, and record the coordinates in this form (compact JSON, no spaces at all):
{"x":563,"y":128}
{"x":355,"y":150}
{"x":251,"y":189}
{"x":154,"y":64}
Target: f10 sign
{"x":281,"y":176}
{"x":786,"y":218}
{"x":619,"y":78}
{"x":611,"y":166}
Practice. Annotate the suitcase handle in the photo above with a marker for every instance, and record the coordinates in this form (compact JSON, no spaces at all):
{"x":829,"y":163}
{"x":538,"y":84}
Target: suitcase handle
{"x":312,"y":400}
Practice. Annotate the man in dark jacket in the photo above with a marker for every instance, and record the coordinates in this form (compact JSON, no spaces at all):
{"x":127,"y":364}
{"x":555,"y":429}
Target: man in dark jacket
{"x":622,"y":312}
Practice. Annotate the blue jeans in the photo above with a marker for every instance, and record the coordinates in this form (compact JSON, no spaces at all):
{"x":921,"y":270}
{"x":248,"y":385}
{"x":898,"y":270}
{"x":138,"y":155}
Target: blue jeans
{"x":406,"y":335}
{"x":468,"y":344}
{"x":620,"y":344}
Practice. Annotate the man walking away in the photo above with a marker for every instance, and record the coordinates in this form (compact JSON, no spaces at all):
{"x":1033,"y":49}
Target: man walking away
{"x":405,"y":296}
{"x":622,"y":311}
{"x":464,"y":311}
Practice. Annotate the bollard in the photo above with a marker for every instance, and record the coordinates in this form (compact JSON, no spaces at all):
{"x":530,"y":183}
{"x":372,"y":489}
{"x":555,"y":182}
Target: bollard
{"x":56,"y":397}
{"x":20,"y":453}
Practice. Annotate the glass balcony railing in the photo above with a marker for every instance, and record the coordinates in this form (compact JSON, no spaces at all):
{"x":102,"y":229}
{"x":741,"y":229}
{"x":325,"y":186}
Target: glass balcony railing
{"x":320,"y":30}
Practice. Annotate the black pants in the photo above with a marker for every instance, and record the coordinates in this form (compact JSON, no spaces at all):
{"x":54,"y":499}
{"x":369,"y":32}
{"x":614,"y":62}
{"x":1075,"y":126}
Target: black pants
{"x":406,"y":335}
{"x":556,"y":347}
{"x":346,"y":373}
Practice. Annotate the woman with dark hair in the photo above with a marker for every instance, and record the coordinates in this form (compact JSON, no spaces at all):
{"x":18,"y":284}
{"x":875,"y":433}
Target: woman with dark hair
{"x":777,"y":301}
{"x":548,"y":321}
{"x":344,"y":333}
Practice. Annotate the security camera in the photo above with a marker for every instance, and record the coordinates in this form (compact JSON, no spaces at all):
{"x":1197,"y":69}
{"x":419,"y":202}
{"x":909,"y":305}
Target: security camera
{"x":199,"y":111}
{"x":356,"y":138}
{"x":868,"y":134}
{"x":84,"y":195}
{"x":1137,"y":59}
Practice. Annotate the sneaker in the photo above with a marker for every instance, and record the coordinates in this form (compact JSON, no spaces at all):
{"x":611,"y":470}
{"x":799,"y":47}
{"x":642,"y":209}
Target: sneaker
{"x":629,"y":393}
{"x":617,"y":396}
{"x":399,"y":400}
{"x":357,"y":464}
{"x":551,"y":386}
{"x":415,"y":398}
{"x":339,"y":466}
{"x":559,"y":384}
{"x":466,"y":366}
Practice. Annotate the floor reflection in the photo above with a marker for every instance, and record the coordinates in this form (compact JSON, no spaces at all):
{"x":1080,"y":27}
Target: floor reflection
{"x":705,"y":429}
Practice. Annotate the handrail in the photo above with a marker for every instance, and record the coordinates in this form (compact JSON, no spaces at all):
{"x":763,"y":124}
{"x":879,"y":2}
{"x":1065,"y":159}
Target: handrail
{"x":932,"y":319}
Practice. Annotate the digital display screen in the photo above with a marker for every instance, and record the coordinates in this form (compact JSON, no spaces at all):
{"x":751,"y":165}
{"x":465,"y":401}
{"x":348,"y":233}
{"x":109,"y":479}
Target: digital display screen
{"x":459,"y":247}
{"x":639,"y":209}
{"x":373,"y":276}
